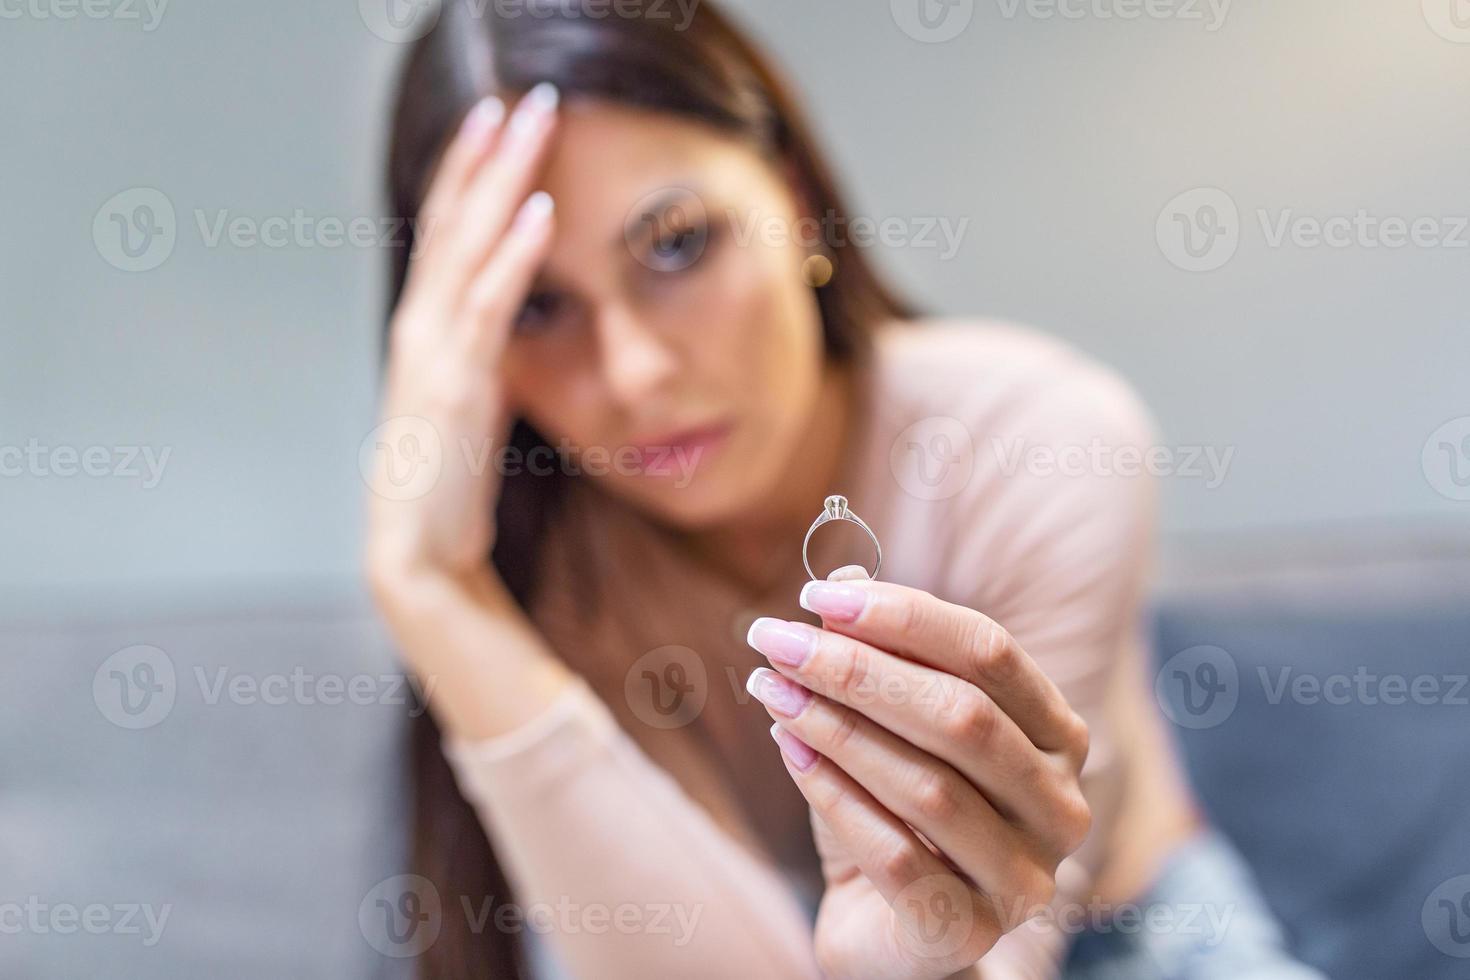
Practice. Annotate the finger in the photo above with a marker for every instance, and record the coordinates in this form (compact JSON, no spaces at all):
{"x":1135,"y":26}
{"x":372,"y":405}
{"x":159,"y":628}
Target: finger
{"x":500,"y":186}
{"x":905,"y":872}
{"x":499,"y":290}
{"x":945,"y":716}
{"x":923,"y":791}
{"x":950,"y":637}
{"x":470,"y":146}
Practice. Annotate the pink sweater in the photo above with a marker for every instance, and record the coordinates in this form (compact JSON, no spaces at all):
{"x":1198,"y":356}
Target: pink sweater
{"x":983,"y":461}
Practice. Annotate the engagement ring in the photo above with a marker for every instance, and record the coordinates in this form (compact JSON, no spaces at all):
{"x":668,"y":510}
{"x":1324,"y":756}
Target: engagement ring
{"x":835,"y":509}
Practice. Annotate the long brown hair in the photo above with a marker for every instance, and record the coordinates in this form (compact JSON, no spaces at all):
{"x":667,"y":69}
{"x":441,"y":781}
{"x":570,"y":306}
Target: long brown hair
{"x":691,"y":62}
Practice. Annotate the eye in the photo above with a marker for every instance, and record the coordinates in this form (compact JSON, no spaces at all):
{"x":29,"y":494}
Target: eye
{"x":540,"y":312}
{"x":676,"y":240}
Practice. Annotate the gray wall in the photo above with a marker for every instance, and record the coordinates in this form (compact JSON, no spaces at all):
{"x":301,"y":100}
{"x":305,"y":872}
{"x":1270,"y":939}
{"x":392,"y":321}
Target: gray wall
{"x":1060,"y":139}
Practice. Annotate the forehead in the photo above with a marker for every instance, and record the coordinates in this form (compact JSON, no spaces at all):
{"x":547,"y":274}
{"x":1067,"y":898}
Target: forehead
{"x":608,"y":161}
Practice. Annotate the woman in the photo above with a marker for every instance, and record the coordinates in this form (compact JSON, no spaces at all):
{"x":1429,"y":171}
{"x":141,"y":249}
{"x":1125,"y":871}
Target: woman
{"x":964,"y":749}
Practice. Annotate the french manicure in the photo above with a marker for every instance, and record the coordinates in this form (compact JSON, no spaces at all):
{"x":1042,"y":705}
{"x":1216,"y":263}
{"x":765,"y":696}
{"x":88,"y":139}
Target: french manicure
{"x":783,"y":642}
{"x":778,"y":693}
{"x":834,"y":600}
{"x":535,"y":208}
{"x":802,"y":755}
{"x":537,"y":103}
{"x":483,"y":117}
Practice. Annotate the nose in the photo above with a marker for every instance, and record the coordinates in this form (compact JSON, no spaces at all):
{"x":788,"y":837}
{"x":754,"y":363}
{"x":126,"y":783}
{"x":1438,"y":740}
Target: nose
{"x":638,"y":364}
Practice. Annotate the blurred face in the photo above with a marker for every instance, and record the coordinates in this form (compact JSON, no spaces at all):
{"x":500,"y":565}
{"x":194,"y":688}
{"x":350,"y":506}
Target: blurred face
{"x":671,"y":346}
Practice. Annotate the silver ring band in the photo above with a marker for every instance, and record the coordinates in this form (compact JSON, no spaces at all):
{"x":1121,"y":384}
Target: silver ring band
{"x":835,"y":509}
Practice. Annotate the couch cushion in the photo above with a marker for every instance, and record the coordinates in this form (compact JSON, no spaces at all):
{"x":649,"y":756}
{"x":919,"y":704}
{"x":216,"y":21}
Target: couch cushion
{"x":197,"y":789}
{"x":1334,"y":751}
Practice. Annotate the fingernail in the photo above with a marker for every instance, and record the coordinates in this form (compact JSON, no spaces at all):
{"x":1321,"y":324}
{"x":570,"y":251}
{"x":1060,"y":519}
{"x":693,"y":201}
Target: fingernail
{"x":535,"y":208}
{"x":486,"y":114}
{"x":538,"y":102}
{"x":801,"y":755}
{"x":833,"y":600}
{"x":777,"y":693}
{"x":783,"y":642}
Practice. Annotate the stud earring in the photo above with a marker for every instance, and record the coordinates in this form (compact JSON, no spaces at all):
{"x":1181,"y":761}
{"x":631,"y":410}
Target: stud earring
{"x":817,"y":270}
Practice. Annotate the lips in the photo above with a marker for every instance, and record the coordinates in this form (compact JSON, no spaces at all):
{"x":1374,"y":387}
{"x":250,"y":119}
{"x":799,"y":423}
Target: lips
{"x":664,"y":455}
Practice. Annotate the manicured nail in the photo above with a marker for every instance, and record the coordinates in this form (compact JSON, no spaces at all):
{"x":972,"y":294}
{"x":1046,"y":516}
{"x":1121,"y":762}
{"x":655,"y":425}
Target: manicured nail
{"x":801,"y":755}
{"x":535,"y":208}
{"x":783,"y":642}
{"x":778,"y":693}
{"x":538,"y":102}
{"x":834,"y":600}
{"x":486,"y":114}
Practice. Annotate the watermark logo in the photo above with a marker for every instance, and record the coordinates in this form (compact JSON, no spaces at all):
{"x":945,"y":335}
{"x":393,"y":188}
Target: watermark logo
{"x":933,"y":21}
{"x":401,"y":916}
{"x":1198,"y":687}
{"x":934,"y":458}
{"x":937,"y":916}
{"x":135,"y":230}
{"x":1446,"y":917}
{"x":667,"y":687}
{"x":1450,"y":19}
{"x":1199,"y":230}
{"x":135,"y":687}
{"x":402,"y":458}
{"x":667,"y":229}
{"x":1445,"y":459}
{"x":400,"y":21}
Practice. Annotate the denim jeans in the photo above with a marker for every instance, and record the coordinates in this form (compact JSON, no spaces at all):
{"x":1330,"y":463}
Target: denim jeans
{"x":1203,"y":918}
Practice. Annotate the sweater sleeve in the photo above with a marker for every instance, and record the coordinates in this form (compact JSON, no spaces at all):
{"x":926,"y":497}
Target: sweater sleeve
{"x":619,"y":871}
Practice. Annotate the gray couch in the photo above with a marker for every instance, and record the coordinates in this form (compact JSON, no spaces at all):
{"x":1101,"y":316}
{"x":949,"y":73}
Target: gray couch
{"x":258,"y":827}
{"x":262,"y":828}
{"x":1343,"y":770}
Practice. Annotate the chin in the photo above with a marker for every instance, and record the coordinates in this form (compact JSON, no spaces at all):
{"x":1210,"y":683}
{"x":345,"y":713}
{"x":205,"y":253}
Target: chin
{"x":693,"y":508}
{"x":708,"y":500}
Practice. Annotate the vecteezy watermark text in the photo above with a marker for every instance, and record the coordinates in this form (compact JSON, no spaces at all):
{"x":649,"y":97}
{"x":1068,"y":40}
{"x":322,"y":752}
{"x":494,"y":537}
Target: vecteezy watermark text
{"x":405,"y":21}
{"x":937,"y":232}
{"x":37,"y":917}
{"x":403,"y":458}
{"x":1201,"y":229}
{"x":148,"y":12}
{"x":1207,"y":921}
{"x":1363,"y":686}
{"x":136,"y":688}
{"x":1098,"y":458}
{"x":1211,"y":13}
{"x":137,"y":229}
{"x":403,"y":916}
{"x":36,"y":459}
